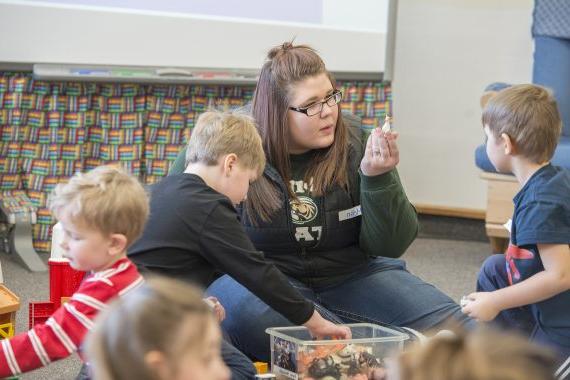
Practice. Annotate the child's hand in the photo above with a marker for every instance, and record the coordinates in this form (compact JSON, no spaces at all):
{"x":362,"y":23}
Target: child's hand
{"x":481,"y":306}
{"x":217,"y":307}
{"x":381,"y":154}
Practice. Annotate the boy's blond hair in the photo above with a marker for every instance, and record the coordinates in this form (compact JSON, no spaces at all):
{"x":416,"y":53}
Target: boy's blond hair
{"x":219,"y":133}
{"x":479,"y":355}
{"x":107,"y":199}
{"x":528,"y":114}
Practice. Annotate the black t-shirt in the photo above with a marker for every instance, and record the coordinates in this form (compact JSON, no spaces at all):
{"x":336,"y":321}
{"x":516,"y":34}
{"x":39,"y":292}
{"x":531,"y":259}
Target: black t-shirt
{"x":194,"y":231}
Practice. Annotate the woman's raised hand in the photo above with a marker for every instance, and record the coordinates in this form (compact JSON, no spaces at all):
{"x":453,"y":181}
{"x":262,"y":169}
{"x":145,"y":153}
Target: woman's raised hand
{"x":381,"y":154}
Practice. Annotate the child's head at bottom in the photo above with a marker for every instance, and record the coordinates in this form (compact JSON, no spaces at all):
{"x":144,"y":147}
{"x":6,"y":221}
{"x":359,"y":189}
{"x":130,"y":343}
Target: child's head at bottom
{"x":479,"y":355}
{"x":101,"y":212}
{"x":163,"y":330}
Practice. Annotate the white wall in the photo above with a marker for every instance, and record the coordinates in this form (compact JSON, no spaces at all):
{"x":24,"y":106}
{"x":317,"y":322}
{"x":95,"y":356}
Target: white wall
{"x":371,"y":14}
{"x":73,"y":34}
{"x":447,"y":51}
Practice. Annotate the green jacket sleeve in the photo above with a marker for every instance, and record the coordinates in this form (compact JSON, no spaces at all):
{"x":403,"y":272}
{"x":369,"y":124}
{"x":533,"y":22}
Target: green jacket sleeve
{"x":389,"y":221}
{"x":179,"y":164}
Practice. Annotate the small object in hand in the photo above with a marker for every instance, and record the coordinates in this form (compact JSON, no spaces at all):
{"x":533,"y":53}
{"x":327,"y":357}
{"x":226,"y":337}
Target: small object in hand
{"x":446,"y":334}
{"x":508,"y":225}
{"x":265,"y":376}
{"x":210,"y":303}
{"x":464,"y":301}
{"x":387,"y":127}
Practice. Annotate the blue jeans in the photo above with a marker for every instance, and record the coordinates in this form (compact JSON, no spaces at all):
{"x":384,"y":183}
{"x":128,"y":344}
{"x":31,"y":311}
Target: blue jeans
{"x":382,"y":292}
{"x":493,"y":276}
{"x":552,"y":69}
{"x":240,"y":366}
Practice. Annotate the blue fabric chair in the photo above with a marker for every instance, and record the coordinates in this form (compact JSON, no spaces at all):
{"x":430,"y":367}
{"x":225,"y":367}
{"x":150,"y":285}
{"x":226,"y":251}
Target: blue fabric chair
{"x":561,"y":156}
{"x":551,"y":68}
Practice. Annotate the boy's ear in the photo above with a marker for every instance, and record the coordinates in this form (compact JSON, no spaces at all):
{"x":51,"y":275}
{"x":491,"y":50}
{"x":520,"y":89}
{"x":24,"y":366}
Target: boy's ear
{"x":118,"y":244}
{"x":508,"y":144}
{"x":230,"y":161}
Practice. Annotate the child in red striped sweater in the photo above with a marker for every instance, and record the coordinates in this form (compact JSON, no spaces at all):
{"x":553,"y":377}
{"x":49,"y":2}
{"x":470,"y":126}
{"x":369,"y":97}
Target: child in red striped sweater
{"x":102,"y":213}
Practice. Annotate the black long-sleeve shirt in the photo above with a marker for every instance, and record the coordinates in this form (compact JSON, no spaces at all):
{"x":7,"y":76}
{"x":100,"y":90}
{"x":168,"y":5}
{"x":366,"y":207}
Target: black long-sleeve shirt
{"x":344,"y":240}
{"x":194,"y":231}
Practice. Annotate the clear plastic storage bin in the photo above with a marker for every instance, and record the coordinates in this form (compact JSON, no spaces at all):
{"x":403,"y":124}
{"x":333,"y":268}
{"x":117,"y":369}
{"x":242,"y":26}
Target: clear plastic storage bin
{"x":294,"y":355}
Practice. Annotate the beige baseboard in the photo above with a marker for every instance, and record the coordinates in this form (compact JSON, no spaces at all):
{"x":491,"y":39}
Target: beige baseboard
{"x":457,"y":212}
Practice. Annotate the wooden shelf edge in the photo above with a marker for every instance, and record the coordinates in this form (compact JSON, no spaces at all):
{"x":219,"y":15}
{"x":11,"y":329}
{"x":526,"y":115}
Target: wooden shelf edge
{"x":457,"y":212}
{"x":496,"y":230}
{"x":497,"y":177}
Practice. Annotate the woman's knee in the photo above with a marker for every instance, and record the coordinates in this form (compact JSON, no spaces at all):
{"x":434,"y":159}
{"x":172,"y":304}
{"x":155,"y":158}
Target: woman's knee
{"x":244,"y":310}
{"x":232,"y":295}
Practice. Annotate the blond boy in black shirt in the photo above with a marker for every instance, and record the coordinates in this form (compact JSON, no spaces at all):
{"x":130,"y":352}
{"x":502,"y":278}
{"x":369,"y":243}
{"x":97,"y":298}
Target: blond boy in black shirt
{"x":194,"y":232}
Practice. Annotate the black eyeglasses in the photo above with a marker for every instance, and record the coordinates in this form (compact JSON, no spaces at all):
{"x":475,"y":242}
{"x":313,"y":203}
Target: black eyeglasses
{"x":317,"y":107}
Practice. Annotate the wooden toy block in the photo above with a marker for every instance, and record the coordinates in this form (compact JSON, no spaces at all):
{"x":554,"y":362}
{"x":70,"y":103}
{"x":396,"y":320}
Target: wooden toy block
{"x":9,"y":304}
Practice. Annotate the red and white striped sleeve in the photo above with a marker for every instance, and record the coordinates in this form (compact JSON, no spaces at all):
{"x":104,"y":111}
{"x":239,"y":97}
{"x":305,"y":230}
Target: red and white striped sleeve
{"x":64,"y":331}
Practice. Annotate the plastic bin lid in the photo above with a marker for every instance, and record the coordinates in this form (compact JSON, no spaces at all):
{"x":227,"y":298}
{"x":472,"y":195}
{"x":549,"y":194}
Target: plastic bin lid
{"x":292,"y":334}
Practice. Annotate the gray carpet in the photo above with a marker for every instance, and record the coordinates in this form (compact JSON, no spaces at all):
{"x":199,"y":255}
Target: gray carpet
{"x":451,"y":265}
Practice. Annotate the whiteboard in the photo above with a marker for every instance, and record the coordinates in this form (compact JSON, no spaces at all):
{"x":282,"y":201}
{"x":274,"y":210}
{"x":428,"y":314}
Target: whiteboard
{"x":43,"y":32}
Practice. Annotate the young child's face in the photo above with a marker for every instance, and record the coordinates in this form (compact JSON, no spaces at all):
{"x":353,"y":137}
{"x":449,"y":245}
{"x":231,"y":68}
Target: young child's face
{"x":495,"y":151}
{"x":237,"y":184}
{"x":86,"y":248}
{"x":203,"y":363}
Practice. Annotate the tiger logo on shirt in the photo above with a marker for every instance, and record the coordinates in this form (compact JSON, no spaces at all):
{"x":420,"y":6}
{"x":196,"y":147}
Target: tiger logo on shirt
{"x":303,"y":210}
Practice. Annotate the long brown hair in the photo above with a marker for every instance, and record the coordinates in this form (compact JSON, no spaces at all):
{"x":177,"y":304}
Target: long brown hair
{"x":286,"y":66}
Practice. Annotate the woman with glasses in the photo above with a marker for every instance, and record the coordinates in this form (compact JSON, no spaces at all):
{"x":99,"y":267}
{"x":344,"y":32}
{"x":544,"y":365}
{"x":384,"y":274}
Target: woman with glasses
{"x":329,"y":211}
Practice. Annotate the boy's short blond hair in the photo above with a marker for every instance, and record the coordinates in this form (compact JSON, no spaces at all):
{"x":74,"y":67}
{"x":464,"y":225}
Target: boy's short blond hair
{"x":107,"y":199}
{"x":528,"y":114}
{"x":219,"y":133}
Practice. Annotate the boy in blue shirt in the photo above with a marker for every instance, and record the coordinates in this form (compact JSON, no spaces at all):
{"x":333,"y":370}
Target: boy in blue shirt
{"x":529,"y":286}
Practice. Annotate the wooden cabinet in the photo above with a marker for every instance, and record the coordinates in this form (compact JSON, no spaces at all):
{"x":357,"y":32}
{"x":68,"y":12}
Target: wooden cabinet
{"x":501,"y":189}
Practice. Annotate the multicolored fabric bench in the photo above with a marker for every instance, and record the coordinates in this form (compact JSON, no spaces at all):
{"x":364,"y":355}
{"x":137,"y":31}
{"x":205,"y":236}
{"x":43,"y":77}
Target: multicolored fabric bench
{"x":50,"y":130}
{"x":18,"y":215}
